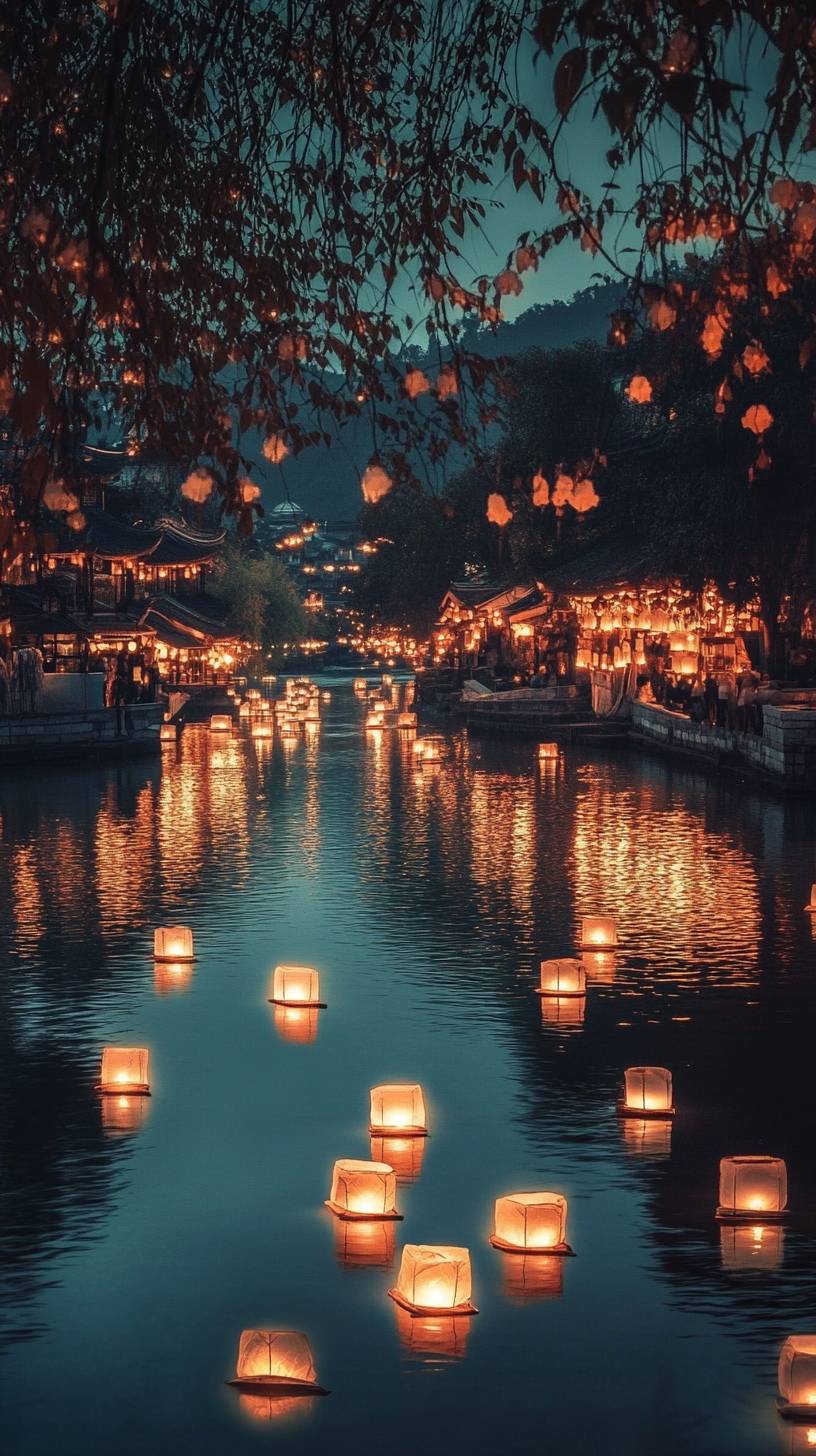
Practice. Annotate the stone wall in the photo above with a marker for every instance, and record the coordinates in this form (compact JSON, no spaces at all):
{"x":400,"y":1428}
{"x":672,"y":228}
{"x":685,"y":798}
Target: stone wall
{"x":55,"y":736}
{"x":786,"y":750}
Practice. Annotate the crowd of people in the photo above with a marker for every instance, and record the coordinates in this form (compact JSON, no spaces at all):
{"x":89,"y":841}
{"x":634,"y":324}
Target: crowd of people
{"x":732,"y":700}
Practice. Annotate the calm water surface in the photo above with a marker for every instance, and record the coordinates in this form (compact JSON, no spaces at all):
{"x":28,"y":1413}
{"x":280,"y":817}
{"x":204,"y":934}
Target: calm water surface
{"x":133,"y":1252}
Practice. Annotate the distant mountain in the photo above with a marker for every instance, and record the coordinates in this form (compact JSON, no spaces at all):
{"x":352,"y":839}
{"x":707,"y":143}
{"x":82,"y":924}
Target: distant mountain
{"x":326,"y":481}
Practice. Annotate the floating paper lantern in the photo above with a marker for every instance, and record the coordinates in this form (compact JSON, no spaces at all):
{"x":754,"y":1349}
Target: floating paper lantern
{"x":220,"y":723}
{"x":430,"y":753}
{"x":125,"y":1070}
{"x":565,"y":1012}
{"x":296,"y":986}
{"x":173,"y":943}
{"x":407,"y":720}
{"x":432,"y":1339}
{"x":548,"y":751}
{"x":171,"y":976}
{"x":746,"y":1246}
{"x":375,"y":720}
{"x":562,"y":978}
{"x":398,"y":1108}
{"x":360,"y":684}
{"x":647,"y":1137}
{"x":276,"y":1360}
{"x":598,"y":932}
{"x":418,"y":747}
{"x":434,"y":1278}
{"x":797,"y":1377}
{"x":123,"y":1113}
{"x":753,"y":1185}
{"x":361,"y":1243}
{"x":404,"y":1154}
{"x":363,"y":1190}
{"x":168,"y":733}
{"x":253,"y":694}
{"x":245,"y":709}
{"x":531,"y":1223}
{"x":647,"y":1092}
{"x":528,"y":1277}
{"x":811,"y":907}
{"x":297,"y":1024}
{"x":261,"y":729}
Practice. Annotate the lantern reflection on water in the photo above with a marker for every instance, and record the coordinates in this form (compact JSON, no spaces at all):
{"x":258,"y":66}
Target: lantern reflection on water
{"x":398,"y":1108}
{"x":220,"y":723}
{"x":297,"y":1024}
{"x":811,"y":906}
{"x":752,"y":1185}
{"x":168,"y":733}
{"x":751,"y":1246}
{"x":647,"y":1136}
{"x":261,"y":729}
{"x":599,"y":965}
{"x":561,"y":978}
{"x":598,"y":932}
{"x":295,"y":986}
{"x":434,"y":1339}
{"x":171,"y":976}
{"x":801,"y":1438}
{"x":797,"y":1377}
{"x":527,"y":1277}
{"x":530,"y":1223}
{"x":434,"y":1278}
{"x":548,"y":751}
{"x":647,"y":1092}
{"x":125,"y":1069}
{"x":363,"y":1190}
{"x":265,"y":1407}
{"x":123,"y":1113}
{"x":276,"y":1360}
{"x":173,"y":943}
{"x":364,"y":1243}
{"x":245,"y":709}
{"x":403,"y":1154}
{"x":407,"y":720}
{"x":565,"y":1012}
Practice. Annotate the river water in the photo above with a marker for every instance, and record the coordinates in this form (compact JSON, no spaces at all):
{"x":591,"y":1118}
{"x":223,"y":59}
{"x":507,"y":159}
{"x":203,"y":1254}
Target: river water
{"x":137,"y":1243}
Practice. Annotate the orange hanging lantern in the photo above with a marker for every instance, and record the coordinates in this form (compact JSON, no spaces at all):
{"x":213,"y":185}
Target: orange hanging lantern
{"x":398,"y":1108}
{"x":753,"y":1186}
{"x":168,"y":733}
{"x":125,"y":1070}
{"x":276,"y":1361}
{"x":363,"y":1190}
{"x":403,"y":1154}
{"x":296,"y":986}
{"x":561,"y":978}
{"x":797,"y":1378}
{"x":647,"y":1092}
{"x":173,"y":943}
{"x":220,"y":723}
{"x":434,"y":1279}
{"x":598,"y":932}
{"x":531,"y":1223}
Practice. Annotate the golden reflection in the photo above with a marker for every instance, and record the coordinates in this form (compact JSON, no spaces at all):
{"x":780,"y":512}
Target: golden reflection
{"x":801,"y":1440}
{"x":297,"y":1024}
{"x":565,"y":1012}
{"x":600,"y":966}
{"x":275,"y":1407}
{"x":361,"y":1243}
{"x":751,"y":1246}
{"x":171,"y":976}
{"x":403,"y":1154}
{"x":26,"y":898}
{"x":122,"y":1114}
{"x":527,"y":1277}
{"x":434,"y":1339}
{"x":648,"y":1137}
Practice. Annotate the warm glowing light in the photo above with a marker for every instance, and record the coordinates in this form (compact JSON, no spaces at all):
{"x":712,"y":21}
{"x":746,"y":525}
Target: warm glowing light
{"x":751,"y":1185}
{"x":171,"y":976}
{"x":407,"y":720}
{"x":168,"y":733}
{"x":220,"y":723}
{"x":562,"y":978}
{"x":261,"y":729}
{"x":647,"y":1137}
{"x":565,"y":1012}
{"x":598,"y":932}
{"x":296,"y":986}
{"x":297,"y":1024}
{"x":403,"y":1154}
{"x":528,"y":1277}
{"x":797,"y":1376}
{"x":364,"y":1243}
{"x":548,"y":750}
{"x":811,"y":906}
{"x":647,"y":1092}
{"x":398,"y":1108}
{"x":531,"y":1223}
{"x":125,"y":1069}
{"x":123,"y":1114}
{"x":432,"y":1339}
{"x":434,"y":1277}
{"x":363,"y":1190}
{"x":173,"y":943}
{"x":751,"y":1246}
{"x":276,"y":1360}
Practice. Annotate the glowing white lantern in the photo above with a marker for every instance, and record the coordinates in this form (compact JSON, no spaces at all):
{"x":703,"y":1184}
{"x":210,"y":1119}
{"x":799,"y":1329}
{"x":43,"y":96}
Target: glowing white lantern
{"x":296,"y":986}
{"x":398,"y":1108}
{"x":173,"y":943}
{"x":598,"y":932}
{"x":434,"y":1279}
{"x":531,"y":1223}
{"x":753,"y":1189}
{"x":647,"y":1092}
{"x":276,"y":1361}
{"x":562,"y":978}
{"x":363,"y":1190}
{"x":125,"y":1070}
{"x":797,"y":1378}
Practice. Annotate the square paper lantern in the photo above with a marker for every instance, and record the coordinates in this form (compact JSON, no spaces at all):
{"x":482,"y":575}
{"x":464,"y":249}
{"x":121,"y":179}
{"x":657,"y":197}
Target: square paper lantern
{"x":418,"y":747}
{"x":531,"y":1223}
{"x":797,"y":1377}
{"x":751,"y":1186}
{"x":598,"y":932}
{"x":398,"y":1108}
{"x":375,"y":720}
{"x":647,"y":1092}
{"x":168,"y":733}
{"x":173,"y":943}
{"x":811,"y":907}
{"x":125,"y":1069}
{"x":407,"y":720}
{"x":245,"y":709}
{"x":363,"y":1190}
{"x":431,"y":753}
{"x":359,"y":685}
{"x":220,"y":723}
{"x":276,"y":1360}
{"x":562,"y":978}
{"x":434,"y":1279}
{"x":548,"y":751}
{"x":261,"y":729}
{"x":296,"y":986}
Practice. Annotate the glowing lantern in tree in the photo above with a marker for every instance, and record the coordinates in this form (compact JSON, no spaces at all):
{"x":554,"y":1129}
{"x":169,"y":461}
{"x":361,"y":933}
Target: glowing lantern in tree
{"x":403,"y":1154}
{"x":639,"y":389}
{"x":584,"y":496}
{"x":297,"y":1024}
{"x":168,"y":733}
{"x":376,"y":483}
{"x":275,"y":449}
{"x":498,"y":511}
{"x":562,"y":490}
{"x":647,"y":1092}
{"x":562,"y":978}
{"x":198,"y":486}
{"x":752,"y":1185}
{"x":434,"y":1278}
{"x":751,"y":1246}
{"x":797,"y":1377}
{"x":598,"y":932}
{"x":125,"y":1069}
{"x":757,"y":418}
{"x":220,"y":723}
{"x":398,"y":1108}
{"x":531,"y":1223}
{"x":173,"y":943}
{"x":541,"y":489}
{"x":276,"y":1360}
{"x":416,"y":383}
{"x":296,"y":986}
{"x":363,"y":1190}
